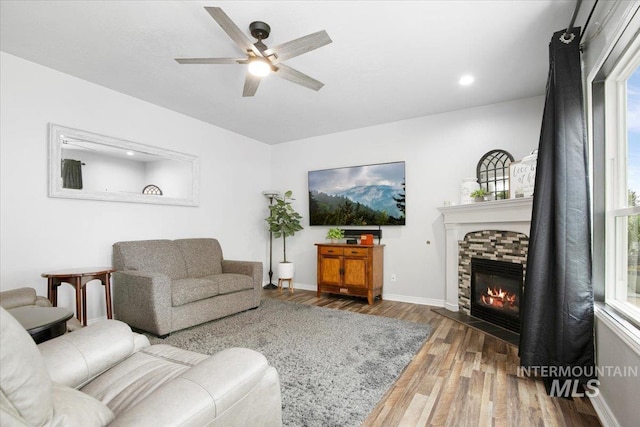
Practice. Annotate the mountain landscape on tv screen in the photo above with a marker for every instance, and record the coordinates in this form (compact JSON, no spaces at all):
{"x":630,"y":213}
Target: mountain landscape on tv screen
{"x":359,"y":205}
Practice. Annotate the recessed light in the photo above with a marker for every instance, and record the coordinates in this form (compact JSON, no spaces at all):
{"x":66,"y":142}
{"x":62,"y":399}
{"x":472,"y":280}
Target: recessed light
{"x":129,"y":153}
{"x":466,"y":80}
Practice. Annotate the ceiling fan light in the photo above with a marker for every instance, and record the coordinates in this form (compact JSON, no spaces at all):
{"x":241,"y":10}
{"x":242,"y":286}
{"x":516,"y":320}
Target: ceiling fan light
{"x":466,"y":80}
{"x":259,"y":67}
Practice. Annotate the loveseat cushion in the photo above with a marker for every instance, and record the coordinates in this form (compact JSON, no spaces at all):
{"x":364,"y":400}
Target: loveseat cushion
{"x":184,"y":291}
{"x":229,"y":283}
{"x":157,"y":256}
{"x":203,"y":257}
{"x":222,"y":390}
{"x":74,"y":359}
{"x":139,"y":376}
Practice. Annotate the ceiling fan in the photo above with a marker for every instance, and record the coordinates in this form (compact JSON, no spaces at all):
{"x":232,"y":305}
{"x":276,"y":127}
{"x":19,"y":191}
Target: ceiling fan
{"x":261,"y":59}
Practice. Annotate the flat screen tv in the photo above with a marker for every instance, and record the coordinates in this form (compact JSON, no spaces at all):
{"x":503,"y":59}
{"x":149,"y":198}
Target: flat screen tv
{"x":358,"y":195}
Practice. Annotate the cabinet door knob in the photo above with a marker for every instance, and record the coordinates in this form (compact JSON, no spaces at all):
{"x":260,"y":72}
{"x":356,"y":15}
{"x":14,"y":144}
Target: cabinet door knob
{"x":330,"y":251}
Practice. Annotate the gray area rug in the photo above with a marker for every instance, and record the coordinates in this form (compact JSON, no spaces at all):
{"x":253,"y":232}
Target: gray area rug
{"x":334,"y":365}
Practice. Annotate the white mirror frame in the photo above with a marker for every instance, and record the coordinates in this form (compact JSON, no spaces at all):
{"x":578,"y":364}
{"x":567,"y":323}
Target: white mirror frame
{"x":55,"y":169}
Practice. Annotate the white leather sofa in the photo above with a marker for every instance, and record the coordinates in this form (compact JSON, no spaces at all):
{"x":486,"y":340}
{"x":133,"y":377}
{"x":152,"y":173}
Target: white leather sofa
{"x":23,"y":297}
{"x":104,"y":374}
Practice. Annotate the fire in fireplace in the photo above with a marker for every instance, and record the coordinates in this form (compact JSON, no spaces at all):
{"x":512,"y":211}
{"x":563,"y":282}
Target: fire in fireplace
{"x":496,"y":292}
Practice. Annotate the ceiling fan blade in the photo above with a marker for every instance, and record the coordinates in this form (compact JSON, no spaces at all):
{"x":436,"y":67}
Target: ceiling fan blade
{"x":232,"y":30}
{"x":211,"y":60}
{"x":251,"y":83}
{"x":297,"y":77}
{"x":297,"y":47}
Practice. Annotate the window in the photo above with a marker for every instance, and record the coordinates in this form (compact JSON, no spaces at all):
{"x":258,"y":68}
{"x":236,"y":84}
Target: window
{"x":622,"y":183}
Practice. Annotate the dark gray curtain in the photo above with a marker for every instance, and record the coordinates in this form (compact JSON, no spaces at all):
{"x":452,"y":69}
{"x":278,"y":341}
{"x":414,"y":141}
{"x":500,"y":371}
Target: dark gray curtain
{"x":72,"y":174}
{"x":557,"y":313}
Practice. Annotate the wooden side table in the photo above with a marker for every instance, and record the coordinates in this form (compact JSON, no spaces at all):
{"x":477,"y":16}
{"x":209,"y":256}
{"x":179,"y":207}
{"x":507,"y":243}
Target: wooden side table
{"x":78,"y":278}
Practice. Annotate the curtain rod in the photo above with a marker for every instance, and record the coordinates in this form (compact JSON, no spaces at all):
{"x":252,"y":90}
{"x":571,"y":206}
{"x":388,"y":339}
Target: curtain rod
{"x":573,"y":18}
{"x":575,"y":14}
{"x":586,"y":24}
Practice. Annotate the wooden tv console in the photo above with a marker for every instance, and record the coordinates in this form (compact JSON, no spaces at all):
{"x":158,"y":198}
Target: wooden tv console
{"x":355,"y":270}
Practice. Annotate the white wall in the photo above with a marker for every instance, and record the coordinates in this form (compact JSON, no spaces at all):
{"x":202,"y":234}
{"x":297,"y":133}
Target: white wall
{"x":617,"y":401}
{"x":39,"y":233}
{"x":439,"y":151}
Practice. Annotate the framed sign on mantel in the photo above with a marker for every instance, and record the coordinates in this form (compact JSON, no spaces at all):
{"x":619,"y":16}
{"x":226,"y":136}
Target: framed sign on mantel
{"x":522,"y":179}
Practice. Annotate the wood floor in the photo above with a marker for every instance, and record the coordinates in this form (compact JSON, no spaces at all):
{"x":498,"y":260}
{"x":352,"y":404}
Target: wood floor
{"x":460,"y":376}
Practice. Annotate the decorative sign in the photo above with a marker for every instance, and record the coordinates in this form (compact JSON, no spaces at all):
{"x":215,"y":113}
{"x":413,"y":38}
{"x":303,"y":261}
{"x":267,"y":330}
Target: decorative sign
{"x":522,"y":178}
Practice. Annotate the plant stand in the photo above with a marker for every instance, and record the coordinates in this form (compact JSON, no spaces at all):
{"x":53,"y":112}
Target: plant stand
{"x":290,"y":285}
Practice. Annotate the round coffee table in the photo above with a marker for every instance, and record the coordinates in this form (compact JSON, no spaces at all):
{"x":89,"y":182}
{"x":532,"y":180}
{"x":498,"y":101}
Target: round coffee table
{"x":42,"y":323}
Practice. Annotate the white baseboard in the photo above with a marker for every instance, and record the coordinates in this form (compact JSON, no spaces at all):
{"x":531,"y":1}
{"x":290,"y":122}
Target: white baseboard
{"x":451,"y":307}
{"x":604,"y":412}
{"x":390,"y":297}
{"x":305,"y":287}
{"x":414,"y":300}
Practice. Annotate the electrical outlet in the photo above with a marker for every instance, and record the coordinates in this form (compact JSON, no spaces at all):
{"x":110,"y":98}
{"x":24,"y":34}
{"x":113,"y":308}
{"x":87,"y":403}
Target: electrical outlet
{"x":393,"y":277}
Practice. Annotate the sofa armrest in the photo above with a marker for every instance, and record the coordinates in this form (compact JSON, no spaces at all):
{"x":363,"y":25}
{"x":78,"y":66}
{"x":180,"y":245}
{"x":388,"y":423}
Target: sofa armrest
{"x":42,"y":301}
{"x":248,"y":268}
{"x":17,"y":298}
{"x":233,"y":387}
{"x":77,"y":357}
{"x":143,"y":300}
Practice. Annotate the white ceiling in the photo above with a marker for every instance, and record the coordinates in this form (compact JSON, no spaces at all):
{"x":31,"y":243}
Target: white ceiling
{"x":389,"y":60}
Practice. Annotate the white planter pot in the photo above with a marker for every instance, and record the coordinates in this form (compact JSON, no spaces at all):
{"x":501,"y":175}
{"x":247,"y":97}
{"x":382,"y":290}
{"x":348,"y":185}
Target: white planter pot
{"x":286,"y":270}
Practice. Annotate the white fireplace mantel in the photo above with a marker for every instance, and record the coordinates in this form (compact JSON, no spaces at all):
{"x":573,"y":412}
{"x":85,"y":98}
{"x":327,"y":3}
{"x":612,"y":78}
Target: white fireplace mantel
{"x":503,"y":215}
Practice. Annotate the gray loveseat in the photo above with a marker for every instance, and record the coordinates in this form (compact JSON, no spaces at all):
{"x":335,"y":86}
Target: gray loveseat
{"x":161,"y":286}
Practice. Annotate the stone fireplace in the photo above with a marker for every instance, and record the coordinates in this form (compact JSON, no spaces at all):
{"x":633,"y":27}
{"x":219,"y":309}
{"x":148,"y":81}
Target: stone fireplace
{"x":496,"y":292}
{"x":490,"y":255}
{"x":495,"y":230}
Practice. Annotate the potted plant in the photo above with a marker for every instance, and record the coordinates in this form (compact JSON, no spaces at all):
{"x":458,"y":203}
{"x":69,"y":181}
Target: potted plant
{"x":284,"y":222}
{"x":335,"y":234}
{"x":478,"y":195}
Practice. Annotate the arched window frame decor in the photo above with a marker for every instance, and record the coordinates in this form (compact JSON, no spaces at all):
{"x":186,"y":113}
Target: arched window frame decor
{"x":493,"y":173}
{"x":153,"y":190}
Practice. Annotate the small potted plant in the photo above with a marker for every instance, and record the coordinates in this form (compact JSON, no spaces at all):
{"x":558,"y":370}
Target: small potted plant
{"x":335,"y":234}
{"x":284,"y":222}
{"x":479,"y":194}
{"x":502,"y":195}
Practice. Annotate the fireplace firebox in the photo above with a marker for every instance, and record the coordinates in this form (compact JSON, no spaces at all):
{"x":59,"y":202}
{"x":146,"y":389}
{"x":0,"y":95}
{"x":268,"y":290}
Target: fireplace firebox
{"x":496,"y":292}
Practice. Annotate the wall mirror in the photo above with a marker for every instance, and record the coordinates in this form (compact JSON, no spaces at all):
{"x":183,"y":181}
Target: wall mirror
{"x":85,"y":165}
{"x":493,"y":173}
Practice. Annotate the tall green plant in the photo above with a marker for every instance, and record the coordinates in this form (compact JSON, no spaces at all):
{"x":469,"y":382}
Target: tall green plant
{"x":283,"y":220}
